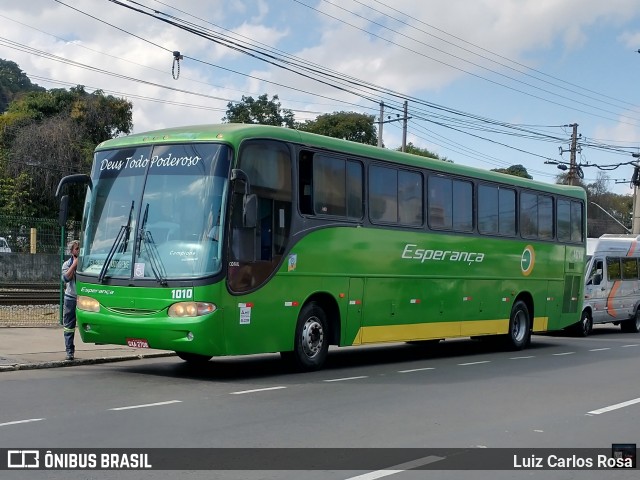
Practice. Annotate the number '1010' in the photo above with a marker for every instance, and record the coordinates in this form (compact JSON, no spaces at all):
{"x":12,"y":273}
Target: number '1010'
{"x":182,"y":294}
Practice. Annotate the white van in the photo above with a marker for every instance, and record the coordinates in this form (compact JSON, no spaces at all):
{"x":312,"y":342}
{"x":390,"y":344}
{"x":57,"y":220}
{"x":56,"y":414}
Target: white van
{"x":4,"y":246}
{"x":612,"y":284}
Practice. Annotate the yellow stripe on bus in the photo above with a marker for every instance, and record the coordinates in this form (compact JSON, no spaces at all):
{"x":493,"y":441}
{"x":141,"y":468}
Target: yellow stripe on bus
{"x":540,"y":324}
{"x":426,"y":331}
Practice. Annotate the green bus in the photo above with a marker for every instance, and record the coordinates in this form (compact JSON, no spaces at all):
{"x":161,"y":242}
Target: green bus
{"x":242,"y":239}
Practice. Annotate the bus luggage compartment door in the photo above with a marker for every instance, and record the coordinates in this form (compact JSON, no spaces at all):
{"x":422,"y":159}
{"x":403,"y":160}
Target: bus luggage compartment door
{"x":352,"y":334}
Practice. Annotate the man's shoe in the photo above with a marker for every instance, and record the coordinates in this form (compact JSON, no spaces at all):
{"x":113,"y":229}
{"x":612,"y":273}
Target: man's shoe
{"x":69,"y":357}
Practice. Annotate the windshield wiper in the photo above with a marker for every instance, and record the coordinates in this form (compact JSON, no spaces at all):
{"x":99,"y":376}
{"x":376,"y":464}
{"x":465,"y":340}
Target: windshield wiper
{"x":120,"y":243}
{"x":125,"y":243}
{"x":157,"y":267}
{"x":141,"y":230}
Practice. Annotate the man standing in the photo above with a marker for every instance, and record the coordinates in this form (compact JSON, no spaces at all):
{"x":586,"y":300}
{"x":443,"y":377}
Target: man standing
{"x":69,"y":311}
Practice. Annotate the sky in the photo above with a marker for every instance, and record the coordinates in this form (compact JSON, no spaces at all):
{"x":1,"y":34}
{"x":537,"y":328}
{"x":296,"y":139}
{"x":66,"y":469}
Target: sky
{"x":488,"y":83}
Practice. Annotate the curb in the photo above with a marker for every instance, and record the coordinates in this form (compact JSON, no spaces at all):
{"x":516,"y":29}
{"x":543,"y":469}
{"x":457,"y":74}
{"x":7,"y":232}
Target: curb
{"x":80,"y":361}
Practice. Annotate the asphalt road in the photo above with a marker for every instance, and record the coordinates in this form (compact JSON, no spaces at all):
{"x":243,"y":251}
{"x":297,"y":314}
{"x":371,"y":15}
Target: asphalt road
{"x":562,"y":393}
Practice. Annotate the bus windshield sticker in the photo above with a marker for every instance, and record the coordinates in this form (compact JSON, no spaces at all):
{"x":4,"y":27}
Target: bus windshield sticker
{"x":245,"y":315}
{"x":138,"y":270}
{"x":156,"y":161}
{"x":292,"y":263}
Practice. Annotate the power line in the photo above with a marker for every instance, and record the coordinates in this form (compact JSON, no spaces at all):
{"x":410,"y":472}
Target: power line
{"x":448,"y":118}
{"x":525,"y":67}
{"x":474,"y":64}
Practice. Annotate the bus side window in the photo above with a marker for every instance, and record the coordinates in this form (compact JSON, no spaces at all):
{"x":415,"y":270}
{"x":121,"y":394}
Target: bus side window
{"x":306,"y":174}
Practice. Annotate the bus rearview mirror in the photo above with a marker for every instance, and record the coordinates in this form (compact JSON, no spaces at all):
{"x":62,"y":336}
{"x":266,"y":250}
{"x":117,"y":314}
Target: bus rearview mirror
{"x":64,"y":210}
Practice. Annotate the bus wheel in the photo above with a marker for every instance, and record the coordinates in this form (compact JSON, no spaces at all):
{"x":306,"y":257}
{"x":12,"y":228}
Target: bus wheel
{"x":584,"y":326}
{"x":311,"y":342}
{"x":632,"y":325}
{"x":194,"y":358}
{"x":519,"y":327}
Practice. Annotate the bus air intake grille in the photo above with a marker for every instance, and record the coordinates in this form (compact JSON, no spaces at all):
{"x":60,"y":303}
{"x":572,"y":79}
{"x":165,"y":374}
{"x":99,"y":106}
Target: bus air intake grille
{"x":133,"y":311}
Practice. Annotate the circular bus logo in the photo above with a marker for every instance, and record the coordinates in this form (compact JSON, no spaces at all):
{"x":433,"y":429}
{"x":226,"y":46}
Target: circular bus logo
{"x":528,"y":260}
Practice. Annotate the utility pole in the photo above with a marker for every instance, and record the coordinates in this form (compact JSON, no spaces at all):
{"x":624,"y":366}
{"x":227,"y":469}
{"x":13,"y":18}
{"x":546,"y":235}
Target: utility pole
{"x":573,"y":169}
{"x":572,"y":158}
{"x":381,"y":122}
{"x":404,"y":127}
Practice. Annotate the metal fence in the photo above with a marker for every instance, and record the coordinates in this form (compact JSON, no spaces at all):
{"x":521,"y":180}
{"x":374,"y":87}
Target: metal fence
{"x":23,"y":303}
{"x":35,"y":235}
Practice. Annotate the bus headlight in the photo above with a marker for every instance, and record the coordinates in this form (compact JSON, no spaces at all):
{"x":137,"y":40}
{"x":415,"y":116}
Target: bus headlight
{"x":190,"y":309}
{"x":88,"y":304}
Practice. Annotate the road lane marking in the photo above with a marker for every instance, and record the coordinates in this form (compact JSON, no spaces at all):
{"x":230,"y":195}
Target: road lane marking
{"x":564,"y":353}
{"x":146,"y":405}
{"x":614,"y":407}
{"x":520,"y":358}
{"x":416,"y":370}
{"x":16,"y":422}
{"x":398,"y":468}
{"x":266,"y":389}
{"x":599,"y":349}
{"x":345,"y":379}
{"x":474,"y":363}
{"x":632,"y":345}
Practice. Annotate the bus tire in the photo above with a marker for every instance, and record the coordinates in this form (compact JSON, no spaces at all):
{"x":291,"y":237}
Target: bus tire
{"x":632,"y":325}
{"x":519,"y":327}
{"x":194,"y":358}
{"x":584,"y":326}
{"x":311,"y":341}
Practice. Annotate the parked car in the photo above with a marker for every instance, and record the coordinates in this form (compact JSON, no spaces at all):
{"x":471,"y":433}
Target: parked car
{"x":4,"y":246}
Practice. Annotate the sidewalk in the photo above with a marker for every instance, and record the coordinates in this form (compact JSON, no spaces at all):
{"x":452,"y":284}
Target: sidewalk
{"x":23,"y":348}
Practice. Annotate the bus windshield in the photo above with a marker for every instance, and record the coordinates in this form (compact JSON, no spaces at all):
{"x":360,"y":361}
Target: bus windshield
{"x":156,"y":212}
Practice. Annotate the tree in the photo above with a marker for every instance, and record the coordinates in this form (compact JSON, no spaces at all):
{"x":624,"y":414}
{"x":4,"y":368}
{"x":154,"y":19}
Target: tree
{"x":262,"y":111}
{"x":616,"y":206}
{"x":356,"y":127}
{"x":515,"y":170}
{"x":45,"y":135}
{"x":564,"y":179}
{"x":13,"y":82}
{"x":423,"y":152}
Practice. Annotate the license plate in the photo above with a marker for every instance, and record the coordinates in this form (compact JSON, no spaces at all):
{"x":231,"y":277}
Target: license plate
{"x":137,"y":343}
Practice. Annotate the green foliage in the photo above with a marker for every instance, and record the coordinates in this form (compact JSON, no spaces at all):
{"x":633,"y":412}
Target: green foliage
{"x":46,"y":134}
{"x":356,"y":127}
{"x":423,"y":152}
{"x":15,"y":196}
{"x":100,"y":117}
{"x":261,"y":110}
{"x":13,"y":82}
{"x":515,"y":170}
